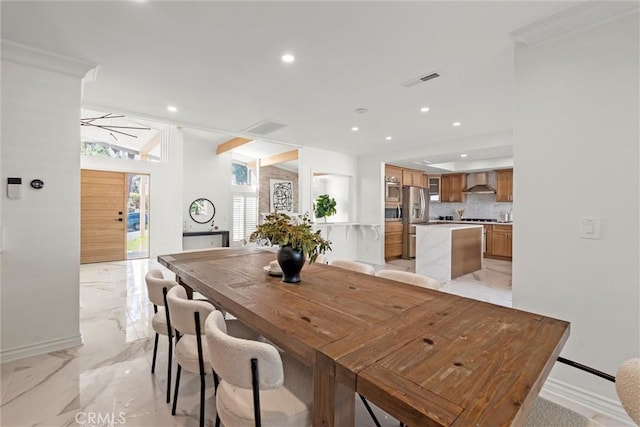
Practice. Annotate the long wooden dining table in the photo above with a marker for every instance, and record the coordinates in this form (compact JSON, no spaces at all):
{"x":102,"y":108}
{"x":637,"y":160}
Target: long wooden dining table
{"x":426,"y":357}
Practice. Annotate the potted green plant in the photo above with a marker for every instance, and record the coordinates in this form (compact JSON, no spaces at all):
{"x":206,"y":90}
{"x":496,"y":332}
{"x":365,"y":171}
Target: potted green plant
{"x":296,"y":239}
{"x":324,"y":206}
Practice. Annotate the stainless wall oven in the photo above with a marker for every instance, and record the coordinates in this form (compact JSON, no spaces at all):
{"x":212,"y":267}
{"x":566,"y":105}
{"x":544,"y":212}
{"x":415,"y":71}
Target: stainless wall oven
{"x":393,"y":190}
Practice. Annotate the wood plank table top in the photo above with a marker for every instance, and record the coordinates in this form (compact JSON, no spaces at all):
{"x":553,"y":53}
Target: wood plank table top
{"x":426,"y":357}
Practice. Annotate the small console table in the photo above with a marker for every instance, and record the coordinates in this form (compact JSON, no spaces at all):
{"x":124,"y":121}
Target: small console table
{"x":223,"y":233}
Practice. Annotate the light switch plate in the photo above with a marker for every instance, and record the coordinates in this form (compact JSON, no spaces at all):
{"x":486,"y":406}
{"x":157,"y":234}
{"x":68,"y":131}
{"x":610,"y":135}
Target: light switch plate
{"x":590,"y":227}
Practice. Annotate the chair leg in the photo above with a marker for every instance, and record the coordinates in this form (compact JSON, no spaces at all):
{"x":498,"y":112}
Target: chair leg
{"x":373,"y":416}
{"x":216,"y":383}
{"x":256,"y":392}
{"x":196,"y":319}
{"x":170,"y":336}
{"x":155,"y":352}
{"x":175,"y":393}
{"x":202,"y":389}
{"x":169,"y":363}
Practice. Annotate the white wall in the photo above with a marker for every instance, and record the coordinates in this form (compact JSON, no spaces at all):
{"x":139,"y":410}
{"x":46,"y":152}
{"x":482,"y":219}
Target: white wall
{"x":576,"y":144}
{"x":40,"y":261}
{"x":317,"y":160}
{"x":165,"y":192}
{"x":206,"y":175}
{"x":340,"y":188}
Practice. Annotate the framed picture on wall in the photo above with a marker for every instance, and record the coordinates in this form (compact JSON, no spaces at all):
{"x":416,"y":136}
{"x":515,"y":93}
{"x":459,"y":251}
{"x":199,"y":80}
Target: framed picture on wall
{"x":280,"y":196}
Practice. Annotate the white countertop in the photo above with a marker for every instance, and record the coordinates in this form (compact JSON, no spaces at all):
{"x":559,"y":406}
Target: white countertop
{"x":441,"y":221}
{"x":450,"y":226}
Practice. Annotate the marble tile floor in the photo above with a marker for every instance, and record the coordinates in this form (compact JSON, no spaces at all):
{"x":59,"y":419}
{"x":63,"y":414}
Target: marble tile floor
{"x":107,"y":381}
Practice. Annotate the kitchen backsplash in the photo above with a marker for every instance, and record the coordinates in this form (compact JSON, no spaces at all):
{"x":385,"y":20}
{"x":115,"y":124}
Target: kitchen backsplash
{"x":476,"y":206}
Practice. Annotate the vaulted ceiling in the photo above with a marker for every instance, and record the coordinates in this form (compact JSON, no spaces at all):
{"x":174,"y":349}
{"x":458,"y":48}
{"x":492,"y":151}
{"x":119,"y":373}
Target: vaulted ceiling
{"x":220,"y":64}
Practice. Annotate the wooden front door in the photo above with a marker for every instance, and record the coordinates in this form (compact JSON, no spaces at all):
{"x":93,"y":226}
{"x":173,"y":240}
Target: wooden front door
{"x":102,"y":216}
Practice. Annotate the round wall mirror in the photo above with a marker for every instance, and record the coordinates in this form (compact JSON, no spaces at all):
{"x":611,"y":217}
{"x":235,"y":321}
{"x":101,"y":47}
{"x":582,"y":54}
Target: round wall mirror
{"x":202,"y":211}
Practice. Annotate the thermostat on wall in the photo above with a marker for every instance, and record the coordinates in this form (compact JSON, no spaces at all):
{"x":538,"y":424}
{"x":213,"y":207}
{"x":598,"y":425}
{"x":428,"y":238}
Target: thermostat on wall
{"x":13,"y":187}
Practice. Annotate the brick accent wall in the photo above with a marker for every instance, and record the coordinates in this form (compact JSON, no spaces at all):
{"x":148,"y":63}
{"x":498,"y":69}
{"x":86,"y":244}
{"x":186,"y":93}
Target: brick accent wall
{"x":271,"y":172}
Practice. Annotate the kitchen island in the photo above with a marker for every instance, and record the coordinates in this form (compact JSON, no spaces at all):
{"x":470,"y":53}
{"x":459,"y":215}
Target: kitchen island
{"x":447,"y":251}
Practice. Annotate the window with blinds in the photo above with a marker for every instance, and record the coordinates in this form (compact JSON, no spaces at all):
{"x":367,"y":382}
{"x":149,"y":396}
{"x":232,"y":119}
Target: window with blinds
{"x":245,"y":216}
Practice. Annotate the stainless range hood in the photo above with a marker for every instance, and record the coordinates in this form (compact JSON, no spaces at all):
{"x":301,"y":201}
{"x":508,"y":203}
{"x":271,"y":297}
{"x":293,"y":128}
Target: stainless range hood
{"x":478,"y":183}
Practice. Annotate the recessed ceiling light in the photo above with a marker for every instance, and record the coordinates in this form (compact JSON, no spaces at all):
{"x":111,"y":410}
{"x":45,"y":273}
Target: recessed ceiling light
{"x":388,"y":138}
{"x":457,"y":123}
{"x":354,"y":128}
{"x":463,"y":155}
{"x":172,"y":108}
{"x":424,"y":109}
{"x":287,"y":58}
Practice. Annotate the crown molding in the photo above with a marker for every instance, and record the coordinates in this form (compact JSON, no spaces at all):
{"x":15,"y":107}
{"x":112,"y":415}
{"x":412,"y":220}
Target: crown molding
{"x":587,"y":14}
{"x":31,"y":56}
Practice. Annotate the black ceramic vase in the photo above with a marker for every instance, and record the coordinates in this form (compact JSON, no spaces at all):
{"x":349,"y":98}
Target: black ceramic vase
{"x":291,"y":262}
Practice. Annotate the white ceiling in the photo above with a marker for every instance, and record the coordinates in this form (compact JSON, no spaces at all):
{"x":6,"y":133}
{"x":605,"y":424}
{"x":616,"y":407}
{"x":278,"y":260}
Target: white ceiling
{"x":219,"y":63}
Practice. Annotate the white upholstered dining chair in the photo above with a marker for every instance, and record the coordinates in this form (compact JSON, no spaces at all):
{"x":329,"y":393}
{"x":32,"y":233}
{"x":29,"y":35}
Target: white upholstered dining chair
{"x":410,"y":278}
{"x":157,"y":288}
{"x":628,"y":387}
{"x":259,"y":385}
{"x":192,"y":353}
{"x":353,"y":266}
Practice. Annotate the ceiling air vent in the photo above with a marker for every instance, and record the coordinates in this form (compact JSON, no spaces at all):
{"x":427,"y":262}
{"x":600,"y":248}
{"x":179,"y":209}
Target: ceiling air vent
{"x":420,"y":79}
{"x":265,"y":127}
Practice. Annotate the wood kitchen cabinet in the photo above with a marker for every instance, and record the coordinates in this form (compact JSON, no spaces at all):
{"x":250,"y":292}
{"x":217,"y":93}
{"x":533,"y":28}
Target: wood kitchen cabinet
{"x":500,"y":242}
{"x":452,"y":186}
{"x":391,"y":171}
{"x":414,"y":178}
{"x":504,"y":187}
{"x":488,"y":230}
{"x":433,"y":184}
{"x":392,"y":239}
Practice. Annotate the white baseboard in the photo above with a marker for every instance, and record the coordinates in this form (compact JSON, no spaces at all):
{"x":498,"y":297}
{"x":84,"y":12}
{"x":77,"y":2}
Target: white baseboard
{"x":40,"y":348}
{"x":585,"y":402}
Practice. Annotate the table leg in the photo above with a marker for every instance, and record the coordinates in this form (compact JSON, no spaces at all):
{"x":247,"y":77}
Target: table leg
{"x":333,"y":402}
{"x":186,"y":287}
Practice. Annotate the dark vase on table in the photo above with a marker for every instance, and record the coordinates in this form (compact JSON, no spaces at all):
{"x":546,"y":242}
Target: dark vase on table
{"x":291,"y":262}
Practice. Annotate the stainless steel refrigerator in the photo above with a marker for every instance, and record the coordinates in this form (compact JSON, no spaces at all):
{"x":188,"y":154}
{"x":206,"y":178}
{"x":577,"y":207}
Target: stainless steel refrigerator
{"x":415,"y":210}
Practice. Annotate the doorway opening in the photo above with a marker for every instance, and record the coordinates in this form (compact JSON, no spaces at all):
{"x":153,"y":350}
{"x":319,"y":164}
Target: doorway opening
{"x":138,"y":228}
